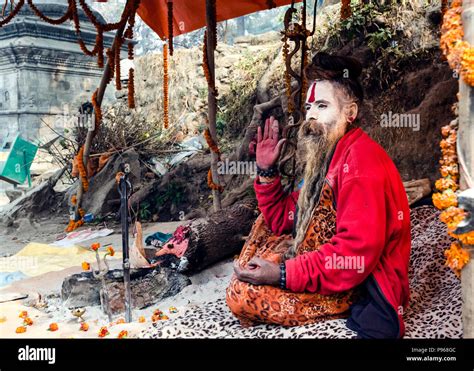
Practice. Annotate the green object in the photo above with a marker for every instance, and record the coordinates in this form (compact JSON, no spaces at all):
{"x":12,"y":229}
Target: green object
{"x":16,"y":169}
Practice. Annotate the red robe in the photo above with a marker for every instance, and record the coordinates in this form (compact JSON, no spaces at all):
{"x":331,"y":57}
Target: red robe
{"x":373,"y":221}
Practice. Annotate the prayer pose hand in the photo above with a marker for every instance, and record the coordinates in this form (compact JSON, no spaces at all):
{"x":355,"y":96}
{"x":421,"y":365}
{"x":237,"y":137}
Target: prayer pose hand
{"x":258,"y":272}
{"x":268,"y":145}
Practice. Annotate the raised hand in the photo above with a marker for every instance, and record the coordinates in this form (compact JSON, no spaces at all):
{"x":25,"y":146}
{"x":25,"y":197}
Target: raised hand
{"x":268,"y":145}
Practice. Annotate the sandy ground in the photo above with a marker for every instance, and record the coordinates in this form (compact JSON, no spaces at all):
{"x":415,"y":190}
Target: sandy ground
{"x":207,"y":285}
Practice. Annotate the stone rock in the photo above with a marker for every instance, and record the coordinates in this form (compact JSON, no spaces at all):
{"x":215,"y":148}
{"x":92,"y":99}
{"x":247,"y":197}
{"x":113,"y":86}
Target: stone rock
{"x":148,"y":287}
{"x":13,"y":194}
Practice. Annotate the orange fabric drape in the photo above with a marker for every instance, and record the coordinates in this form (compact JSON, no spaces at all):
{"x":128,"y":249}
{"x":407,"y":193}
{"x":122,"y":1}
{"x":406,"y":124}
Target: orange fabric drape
{"x":190,"y":15}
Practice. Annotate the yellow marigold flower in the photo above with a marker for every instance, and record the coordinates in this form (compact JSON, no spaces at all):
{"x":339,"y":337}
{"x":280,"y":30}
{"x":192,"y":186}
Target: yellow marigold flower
{"x":141,"y":319}
{"x":86,"y":266}
{"x":122,"y":334}
{"x":444,"y":200}
{"x":28,"y":321}
{"x":103,"y":332}
{"x":110,"y":251}
{"x":23,"y":314}
{"x":456,"y":257}
{"x":20,"y":330}
{"x":84,"y":327}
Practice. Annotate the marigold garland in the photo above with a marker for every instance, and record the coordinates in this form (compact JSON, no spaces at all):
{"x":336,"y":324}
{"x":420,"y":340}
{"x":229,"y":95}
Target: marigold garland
{"x":456,"y":258}
{"x":170,"y":26}
{"x":12,"y":14}
{"x":446,"y":199}
{"x":285,"y":50}
{"x":58,"y":21}
{"x":210,"y":142}
{"x":118,"y":82}
{"x":211,"y":184}
{"x":459,"y":53}
{"x":346,"y":10}
{"x":131,"y":88}
{"x":165,"y":87}
{"x":130,"y":50}
{"x":205,"y":65}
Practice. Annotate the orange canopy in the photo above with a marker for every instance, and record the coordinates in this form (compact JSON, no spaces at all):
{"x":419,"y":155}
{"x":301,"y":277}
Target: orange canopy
{"x":190,"y":15}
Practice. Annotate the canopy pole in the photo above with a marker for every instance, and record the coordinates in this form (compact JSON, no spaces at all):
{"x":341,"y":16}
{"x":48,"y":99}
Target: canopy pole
{"x":465,"y":140}
{"x":211,"y":98}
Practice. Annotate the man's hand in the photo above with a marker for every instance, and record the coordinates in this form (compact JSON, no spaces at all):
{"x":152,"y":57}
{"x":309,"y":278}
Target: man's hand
{"x":268,"y":145}
{"x":258,"y":272}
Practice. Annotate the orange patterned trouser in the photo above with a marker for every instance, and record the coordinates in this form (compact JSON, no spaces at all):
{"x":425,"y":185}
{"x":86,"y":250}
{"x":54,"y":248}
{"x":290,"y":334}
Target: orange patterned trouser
{"x":269,"y":304}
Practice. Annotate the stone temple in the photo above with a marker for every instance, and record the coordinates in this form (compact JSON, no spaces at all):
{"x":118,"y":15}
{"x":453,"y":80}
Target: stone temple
{"x":43,"y":72}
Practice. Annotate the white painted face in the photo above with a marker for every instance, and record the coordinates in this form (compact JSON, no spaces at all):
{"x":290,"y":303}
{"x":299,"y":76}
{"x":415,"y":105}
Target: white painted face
{"x":324,"y":108}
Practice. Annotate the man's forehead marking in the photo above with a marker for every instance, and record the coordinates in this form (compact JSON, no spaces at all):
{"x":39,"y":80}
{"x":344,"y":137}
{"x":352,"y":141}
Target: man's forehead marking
{"x":312,"y":95}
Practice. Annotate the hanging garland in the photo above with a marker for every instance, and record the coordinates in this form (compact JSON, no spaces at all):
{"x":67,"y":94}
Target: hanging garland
{"x":444,"y":6}
{"x":446,"y":199}
{"x":205,"y":65}
{"x":165,"y":87}
{"x":459,"y":53}
{"x":118,"y":82}
{"x":346,"y":10}
{"x":97,"y":112}
{"x":212,"y":145}
{"x":170,"y":25}
{"x":131,"y":88}
{"x":212,"y":185}
{"x":285,"y":49}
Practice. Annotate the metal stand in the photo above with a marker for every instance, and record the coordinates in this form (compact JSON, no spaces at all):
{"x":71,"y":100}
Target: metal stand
{"x":124,"y":189}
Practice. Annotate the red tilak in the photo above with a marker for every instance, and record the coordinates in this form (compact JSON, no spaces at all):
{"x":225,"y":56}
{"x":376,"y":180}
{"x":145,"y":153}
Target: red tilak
{"x":311,"y":97}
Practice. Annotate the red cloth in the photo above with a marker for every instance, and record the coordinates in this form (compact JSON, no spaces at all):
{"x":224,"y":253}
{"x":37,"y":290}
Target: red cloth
{"x":373,"y":222}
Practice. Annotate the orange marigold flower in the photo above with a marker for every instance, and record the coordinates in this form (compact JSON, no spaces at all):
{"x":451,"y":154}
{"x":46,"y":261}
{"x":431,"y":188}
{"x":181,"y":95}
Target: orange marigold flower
{"x":119,"y":321}
{"x":23,"y":314}
{"x":110,"y":251}
{"x":86,"y":266}
{"x":446,"y":183}
{"x":465,"y":238}
{"x":84,"y":327}
{"x":444,"y":200}
{"x":27,"y":321}
{"x":103,"y":332}
{"x":95,"y":246}
{"x":456,"y":257}
{"x":165,"y":317}
{"x":53,"y":327}
{"x":122,"y":334}
{"x":141,"y":319}
{"x":20,"y":330}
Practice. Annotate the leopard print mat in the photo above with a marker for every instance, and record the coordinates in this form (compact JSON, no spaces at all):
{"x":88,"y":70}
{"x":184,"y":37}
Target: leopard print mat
{"x":434,"y":310}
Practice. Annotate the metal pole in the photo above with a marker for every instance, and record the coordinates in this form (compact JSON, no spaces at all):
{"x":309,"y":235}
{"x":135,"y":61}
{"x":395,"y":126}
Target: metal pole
{"x":124,"y":190}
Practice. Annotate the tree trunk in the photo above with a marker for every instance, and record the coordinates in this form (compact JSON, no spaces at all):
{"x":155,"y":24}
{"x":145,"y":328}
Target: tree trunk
{"x":213,"y":239}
